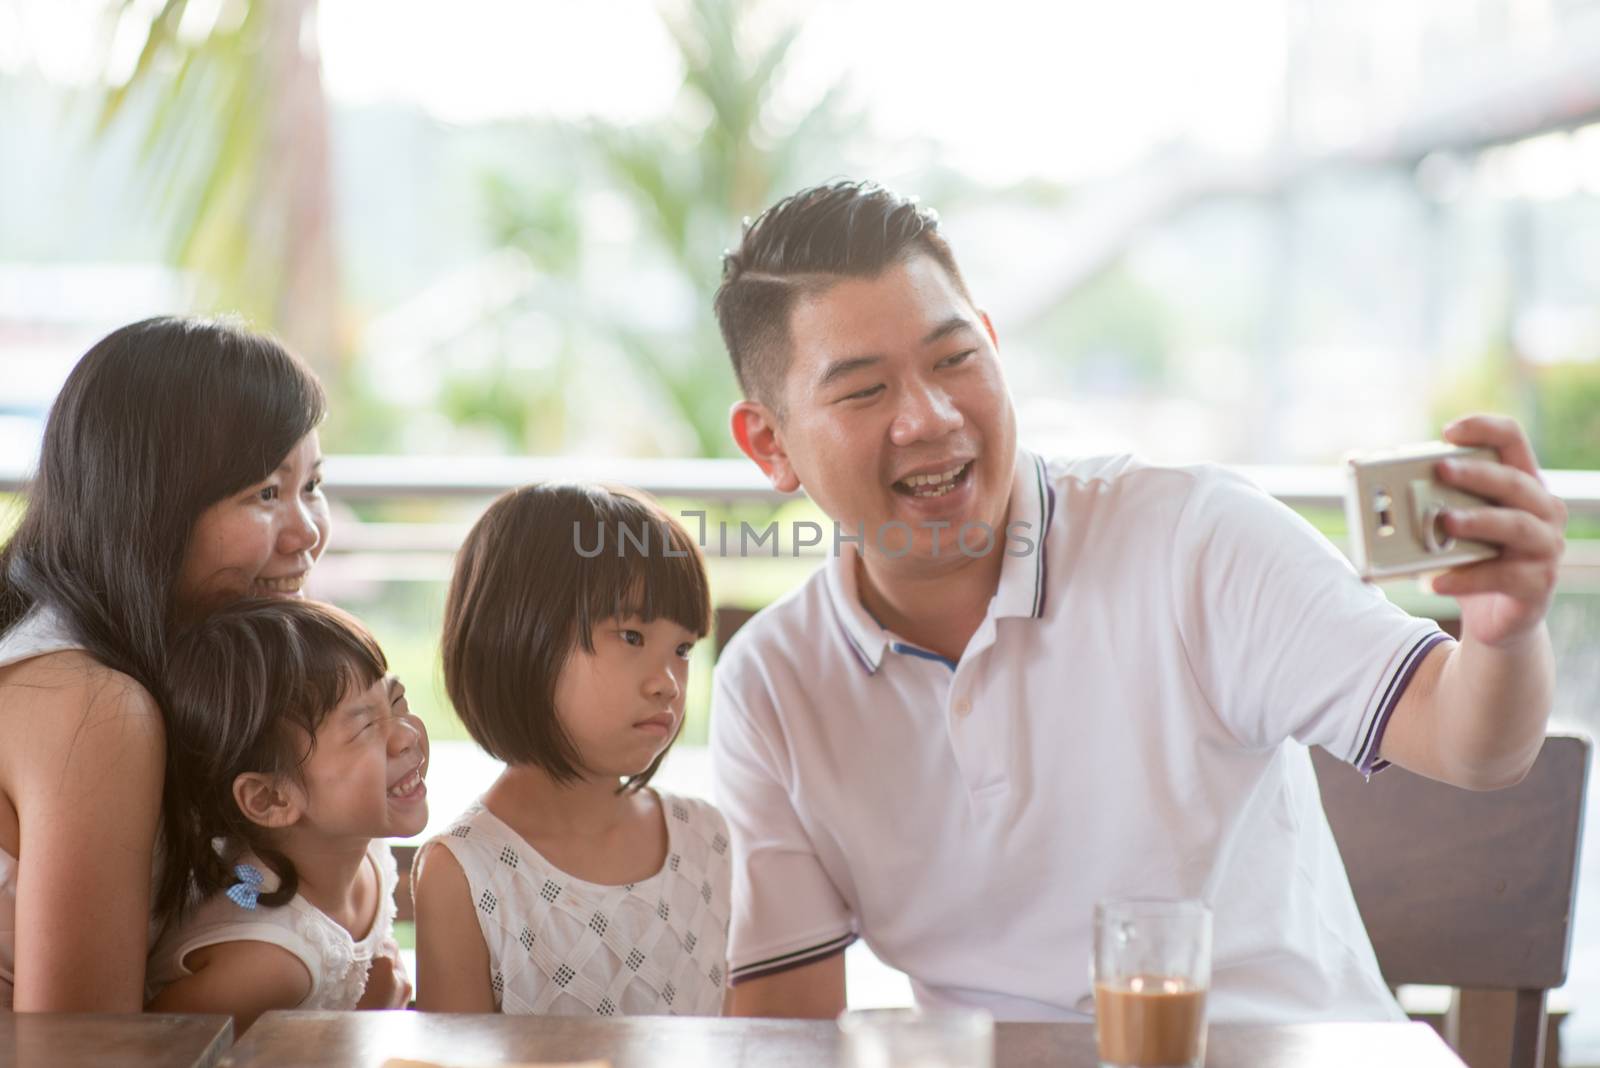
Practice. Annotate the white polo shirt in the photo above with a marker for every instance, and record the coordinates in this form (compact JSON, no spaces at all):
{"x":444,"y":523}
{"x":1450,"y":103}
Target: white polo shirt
{"x":1130,"y":719}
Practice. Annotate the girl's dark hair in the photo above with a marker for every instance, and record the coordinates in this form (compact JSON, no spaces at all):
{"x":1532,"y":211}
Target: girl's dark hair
{"x":156,"y":422}
{"x":537,"y":572}
{"x":246,"y":688}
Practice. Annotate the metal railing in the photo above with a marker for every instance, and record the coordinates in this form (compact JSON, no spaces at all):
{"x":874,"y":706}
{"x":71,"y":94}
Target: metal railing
{"x":354,"y":477}
{"x":412,"y":549}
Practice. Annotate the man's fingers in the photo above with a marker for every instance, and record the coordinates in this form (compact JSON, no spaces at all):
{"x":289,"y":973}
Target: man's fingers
{"x":1498,"y":431}
{"x":1524,"y":580}
{"x":1502,"y":484}
{"x":1521,"y":533}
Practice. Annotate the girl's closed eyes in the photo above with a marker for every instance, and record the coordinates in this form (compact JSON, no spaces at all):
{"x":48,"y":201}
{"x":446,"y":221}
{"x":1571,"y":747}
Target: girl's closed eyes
{"x":295,"y":757}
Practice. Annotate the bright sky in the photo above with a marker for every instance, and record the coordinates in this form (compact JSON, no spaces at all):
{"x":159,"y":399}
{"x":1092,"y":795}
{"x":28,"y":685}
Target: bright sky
{"x":1007,"y":90}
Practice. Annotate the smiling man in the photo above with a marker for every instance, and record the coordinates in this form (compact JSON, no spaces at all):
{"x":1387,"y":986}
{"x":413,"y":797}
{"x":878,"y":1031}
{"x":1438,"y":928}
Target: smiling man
{"x":1019,"y":686}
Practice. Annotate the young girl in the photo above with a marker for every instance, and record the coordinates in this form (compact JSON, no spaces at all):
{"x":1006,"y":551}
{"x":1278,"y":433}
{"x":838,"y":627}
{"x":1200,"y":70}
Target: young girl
{"x":570,"y":888}
{"x":292,"y":754}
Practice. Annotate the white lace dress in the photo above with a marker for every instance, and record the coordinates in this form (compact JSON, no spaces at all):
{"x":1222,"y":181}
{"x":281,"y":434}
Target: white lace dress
{"x":560,"y":946}
{"x":337,"y":962}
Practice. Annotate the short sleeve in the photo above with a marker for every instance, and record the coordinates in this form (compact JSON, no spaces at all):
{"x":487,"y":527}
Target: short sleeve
{"x":1285,"y":638}
{"x":786,"y":909}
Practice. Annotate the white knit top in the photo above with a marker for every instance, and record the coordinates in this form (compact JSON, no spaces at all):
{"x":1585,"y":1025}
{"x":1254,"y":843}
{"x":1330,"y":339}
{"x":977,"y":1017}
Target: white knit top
{"x":561,"y":946}
{"x":338,"y":963}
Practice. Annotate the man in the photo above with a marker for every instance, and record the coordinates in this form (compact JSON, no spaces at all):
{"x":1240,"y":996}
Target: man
{"x":953,"y":744}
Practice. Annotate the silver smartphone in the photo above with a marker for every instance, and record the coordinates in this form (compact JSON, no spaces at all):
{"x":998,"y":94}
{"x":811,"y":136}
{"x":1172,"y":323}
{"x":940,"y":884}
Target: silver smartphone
{"x":1394,"y":506}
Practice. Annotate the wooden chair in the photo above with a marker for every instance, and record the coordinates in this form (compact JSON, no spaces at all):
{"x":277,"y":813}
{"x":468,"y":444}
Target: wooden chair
{"x":725,"y":621}
{"x":1467,"y":889}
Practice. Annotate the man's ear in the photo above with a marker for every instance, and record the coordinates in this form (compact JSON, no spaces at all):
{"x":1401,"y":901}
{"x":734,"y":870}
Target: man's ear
{"x":755,"y":430}
{"x":266,"y":801}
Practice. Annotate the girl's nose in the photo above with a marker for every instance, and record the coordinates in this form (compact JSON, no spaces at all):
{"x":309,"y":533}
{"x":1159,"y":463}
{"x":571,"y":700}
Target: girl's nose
{"x":406,"y":733}
{"x":664,"y":684}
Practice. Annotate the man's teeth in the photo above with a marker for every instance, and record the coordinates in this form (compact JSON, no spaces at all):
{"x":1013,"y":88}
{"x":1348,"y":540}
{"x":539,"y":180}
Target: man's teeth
{"x":935,"y":485}
{"x":290,"y":584}
{"x":407,"y":784}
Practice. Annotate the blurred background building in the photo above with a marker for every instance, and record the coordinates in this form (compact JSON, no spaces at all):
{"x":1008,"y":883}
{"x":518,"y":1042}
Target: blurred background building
{"x":1262,"y":232}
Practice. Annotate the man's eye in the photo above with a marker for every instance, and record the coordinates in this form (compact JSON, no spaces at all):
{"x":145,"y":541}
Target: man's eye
{"x":863,"y":394}
{"x":632,"y":637}
{"x":268,"y":493}
{"x":314,"y":485}
{"x":958,"y":358}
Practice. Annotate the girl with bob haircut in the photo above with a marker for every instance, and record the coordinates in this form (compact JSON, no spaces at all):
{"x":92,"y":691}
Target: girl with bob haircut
{"x":294,"y":755}
{"x":571,"y":887}
{"x":179,"y":470}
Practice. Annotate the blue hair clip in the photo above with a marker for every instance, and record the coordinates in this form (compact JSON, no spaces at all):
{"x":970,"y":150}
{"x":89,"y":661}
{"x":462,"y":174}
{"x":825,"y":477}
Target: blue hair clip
{"x":245,"y":892}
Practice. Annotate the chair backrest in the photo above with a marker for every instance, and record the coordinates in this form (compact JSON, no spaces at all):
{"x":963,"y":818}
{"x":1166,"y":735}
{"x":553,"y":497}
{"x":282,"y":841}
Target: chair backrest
{"x":726,"y":620}
{"x":1460,"y":888}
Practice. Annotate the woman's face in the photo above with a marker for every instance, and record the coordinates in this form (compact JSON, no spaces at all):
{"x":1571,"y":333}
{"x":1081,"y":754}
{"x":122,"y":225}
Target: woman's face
{"x":261,"y":541}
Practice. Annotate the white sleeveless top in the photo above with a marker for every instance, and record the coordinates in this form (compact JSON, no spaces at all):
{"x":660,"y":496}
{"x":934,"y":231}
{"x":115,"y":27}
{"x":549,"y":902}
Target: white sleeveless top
{"x":560,"y":946}
{"x":337,"y":962}
{"x":39,"y":632}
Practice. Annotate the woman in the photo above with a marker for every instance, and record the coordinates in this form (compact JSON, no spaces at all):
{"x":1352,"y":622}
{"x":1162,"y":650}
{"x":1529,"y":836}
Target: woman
{"x":180,"y":469}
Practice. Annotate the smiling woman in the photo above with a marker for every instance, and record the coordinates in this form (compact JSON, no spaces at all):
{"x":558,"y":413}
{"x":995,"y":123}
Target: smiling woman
{"x":178,"y":471}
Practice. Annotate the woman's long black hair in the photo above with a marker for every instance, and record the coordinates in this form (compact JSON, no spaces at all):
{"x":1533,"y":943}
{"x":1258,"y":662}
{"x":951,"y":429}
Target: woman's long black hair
{"x":157,"y":421}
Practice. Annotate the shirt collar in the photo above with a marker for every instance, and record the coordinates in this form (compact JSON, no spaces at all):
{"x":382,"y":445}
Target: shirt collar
{"x":866,"y":639}
{"x":1022,"y":574}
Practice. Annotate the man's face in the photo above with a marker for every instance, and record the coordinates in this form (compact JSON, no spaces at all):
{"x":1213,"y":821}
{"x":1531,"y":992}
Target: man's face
{"x":897,"y":411}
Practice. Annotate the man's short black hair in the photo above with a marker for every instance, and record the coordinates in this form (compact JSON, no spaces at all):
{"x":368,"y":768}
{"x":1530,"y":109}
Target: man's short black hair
{"x":803,"y":244}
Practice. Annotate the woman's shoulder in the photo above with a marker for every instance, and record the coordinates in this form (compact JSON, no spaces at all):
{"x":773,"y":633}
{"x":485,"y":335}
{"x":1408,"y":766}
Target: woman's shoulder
{"x":71,"y":705}
{"x":73,"y":678}
{"x":39,"y":652}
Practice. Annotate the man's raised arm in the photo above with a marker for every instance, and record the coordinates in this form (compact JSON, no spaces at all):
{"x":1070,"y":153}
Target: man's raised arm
{"x":1475,"y":713}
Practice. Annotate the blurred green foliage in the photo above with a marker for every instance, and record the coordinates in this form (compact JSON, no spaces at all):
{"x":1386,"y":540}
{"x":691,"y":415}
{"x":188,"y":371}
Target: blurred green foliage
{"x":1113,"y":328}
{"x":220,"y":93}
{"x":1558,"y":404}
{"x":725,"y":150}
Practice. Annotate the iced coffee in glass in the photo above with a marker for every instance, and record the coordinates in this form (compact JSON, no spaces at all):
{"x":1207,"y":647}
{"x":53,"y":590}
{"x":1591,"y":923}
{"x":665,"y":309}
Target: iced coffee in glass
{"x":1151,"y":971}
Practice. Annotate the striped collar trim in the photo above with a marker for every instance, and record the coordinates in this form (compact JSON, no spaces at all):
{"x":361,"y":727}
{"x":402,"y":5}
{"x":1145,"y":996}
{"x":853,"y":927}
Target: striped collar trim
{"x":862,"y":634}
{"x":1023,"y":576}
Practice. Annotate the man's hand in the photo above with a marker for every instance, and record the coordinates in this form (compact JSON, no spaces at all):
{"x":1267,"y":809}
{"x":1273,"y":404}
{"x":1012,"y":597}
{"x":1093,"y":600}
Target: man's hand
{"x":387,"y":985}
{"x":1504,"y":600}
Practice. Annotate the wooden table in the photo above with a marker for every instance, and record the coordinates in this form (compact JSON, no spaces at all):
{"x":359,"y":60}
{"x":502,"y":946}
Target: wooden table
{"x":137,"y":1040}
{"x":362,"y":1039}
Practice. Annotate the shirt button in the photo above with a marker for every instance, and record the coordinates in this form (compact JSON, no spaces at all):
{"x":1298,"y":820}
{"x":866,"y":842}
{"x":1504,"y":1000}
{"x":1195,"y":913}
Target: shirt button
{"x":963,"y":706}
